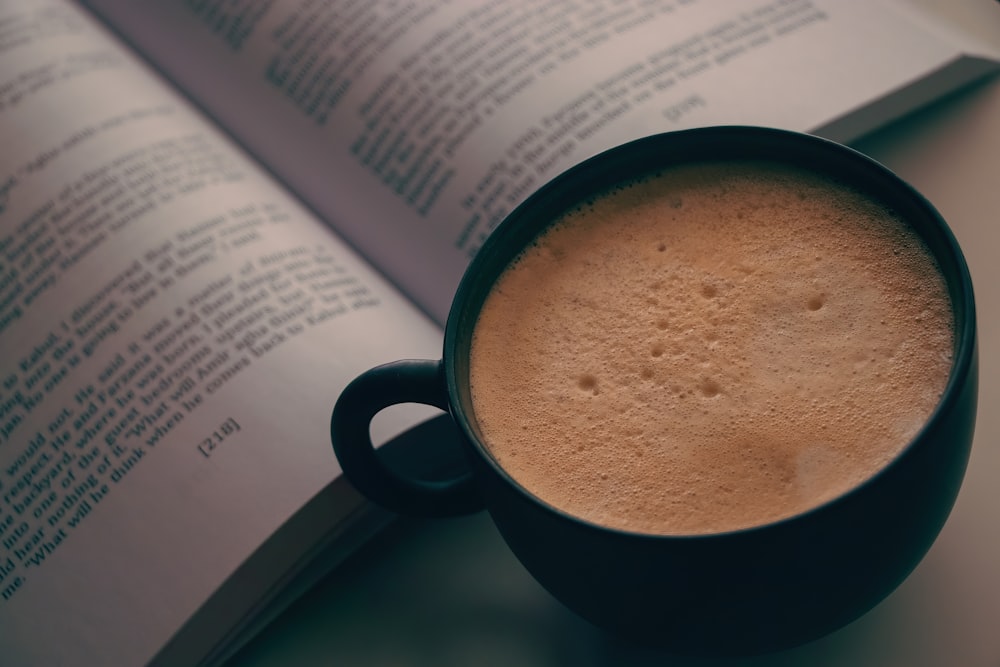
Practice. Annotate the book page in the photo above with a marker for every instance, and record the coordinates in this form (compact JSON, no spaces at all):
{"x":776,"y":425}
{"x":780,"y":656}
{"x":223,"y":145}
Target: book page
{"x":175,"y":330}
{"x":438,"y":117}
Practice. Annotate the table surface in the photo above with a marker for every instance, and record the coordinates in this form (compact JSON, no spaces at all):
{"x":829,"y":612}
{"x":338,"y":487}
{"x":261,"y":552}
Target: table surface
{"x":449,"y":592}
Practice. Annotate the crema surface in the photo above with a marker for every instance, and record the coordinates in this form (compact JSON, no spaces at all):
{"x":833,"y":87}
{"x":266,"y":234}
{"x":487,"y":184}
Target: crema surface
{"x":710,"y":349}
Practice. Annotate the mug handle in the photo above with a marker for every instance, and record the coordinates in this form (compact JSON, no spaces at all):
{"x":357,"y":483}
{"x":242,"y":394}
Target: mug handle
{"x":406,"y":381}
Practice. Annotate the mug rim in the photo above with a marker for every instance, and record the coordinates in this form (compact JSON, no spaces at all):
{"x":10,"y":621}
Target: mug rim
{"x":957,"y":277}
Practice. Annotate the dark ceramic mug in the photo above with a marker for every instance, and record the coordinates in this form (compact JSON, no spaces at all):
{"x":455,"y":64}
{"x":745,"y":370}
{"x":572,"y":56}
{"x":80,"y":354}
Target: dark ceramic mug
{"x":744,"y":591}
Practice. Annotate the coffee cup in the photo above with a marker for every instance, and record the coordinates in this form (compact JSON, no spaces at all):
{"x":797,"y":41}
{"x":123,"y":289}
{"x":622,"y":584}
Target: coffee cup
{"x":694,"y":580}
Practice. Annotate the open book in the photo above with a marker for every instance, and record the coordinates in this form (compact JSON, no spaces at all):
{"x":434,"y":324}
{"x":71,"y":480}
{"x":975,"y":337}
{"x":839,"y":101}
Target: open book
{"x":213,"y":215}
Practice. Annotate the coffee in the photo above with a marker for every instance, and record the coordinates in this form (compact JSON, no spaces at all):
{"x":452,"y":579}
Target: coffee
{"x":712,"y":348}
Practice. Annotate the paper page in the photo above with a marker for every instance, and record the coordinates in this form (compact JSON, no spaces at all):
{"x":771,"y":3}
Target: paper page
{"x":175,"y":330}
{"x":436,"y":118}
{"x":973,"y":58}
{"x":974,"y":26}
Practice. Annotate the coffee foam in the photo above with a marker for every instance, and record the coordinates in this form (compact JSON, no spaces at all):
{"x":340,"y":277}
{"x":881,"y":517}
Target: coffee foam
{"x":712,"y":349}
